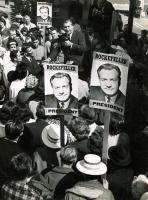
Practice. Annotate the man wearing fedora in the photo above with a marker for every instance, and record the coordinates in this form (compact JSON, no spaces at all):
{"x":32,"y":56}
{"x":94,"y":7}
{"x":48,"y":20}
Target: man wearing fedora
{"x":50,"y":152}
{"x":90,"y":188}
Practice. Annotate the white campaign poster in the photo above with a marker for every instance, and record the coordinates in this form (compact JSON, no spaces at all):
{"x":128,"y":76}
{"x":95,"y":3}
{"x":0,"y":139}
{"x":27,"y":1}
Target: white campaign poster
{"x":108,"y":82}
{"x":44,"y":14}
{"x":61,"y":89}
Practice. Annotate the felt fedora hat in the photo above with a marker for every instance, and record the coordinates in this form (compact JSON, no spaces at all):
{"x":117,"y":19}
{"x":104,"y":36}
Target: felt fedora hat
{"x":51,"y":136}
{"x":91,"y":165}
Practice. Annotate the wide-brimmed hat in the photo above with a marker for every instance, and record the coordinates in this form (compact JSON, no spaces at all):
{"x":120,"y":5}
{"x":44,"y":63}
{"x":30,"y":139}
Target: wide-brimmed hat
{"x":51,"y":136}
{"x":119,"y":155}
{"x":91,"y":165}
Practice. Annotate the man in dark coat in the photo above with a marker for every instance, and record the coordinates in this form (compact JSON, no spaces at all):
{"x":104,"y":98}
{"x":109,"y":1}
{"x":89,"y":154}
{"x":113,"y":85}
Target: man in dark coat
{"x":8,"y":149}
{"x":72,"y":44}
{"x":100,"y":15}
{"x":31,"y":138}
{"x":32,"y":65}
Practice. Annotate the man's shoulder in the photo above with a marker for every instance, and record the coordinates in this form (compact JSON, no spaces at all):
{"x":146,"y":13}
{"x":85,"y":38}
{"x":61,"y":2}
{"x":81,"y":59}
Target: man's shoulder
{"x":120,"y":98}
{"x":74,"y":100}
{"x":96,"y":93}
{"x":51,"y":101}
{"x":95,"y":89}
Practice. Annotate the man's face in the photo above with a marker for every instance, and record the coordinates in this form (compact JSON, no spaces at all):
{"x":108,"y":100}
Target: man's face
{"x":68,"y":27}
{"x":12,"y":34}
{"x":61,"y":88}
{"x":35,"y":43}
{"x":27,"y":19}
{"x":13,"y":47}
{"x":109,"y":81}
{"x":55,"y":34}
{"x":44,"y":13}
{"x":29,"y":51}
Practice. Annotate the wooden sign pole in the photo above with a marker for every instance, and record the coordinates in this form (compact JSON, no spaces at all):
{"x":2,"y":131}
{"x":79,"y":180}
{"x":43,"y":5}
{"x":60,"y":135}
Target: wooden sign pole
{"x":105,"y":144}
{"x":62,"y":130}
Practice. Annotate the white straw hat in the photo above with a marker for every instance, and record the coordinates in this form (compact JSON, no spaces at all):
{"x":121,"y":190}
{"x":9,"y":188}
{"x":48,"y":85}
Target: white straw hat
{"x":51,"y":136}
{"x":91,"y":165}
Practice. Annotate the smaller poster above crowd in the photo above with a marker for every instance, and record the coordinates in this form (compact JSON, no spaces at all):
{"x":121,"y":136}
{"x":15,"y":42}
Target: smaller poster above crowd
{"x":44,"y":14}
{"x":61,"y":89}
{"x":108,"y":82}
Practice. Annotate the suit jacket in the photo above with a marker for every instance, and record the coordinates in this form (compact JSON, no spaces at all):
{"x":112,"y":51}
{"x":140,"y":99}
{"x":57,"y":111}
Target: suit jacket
{"x":52,"y":102}
{"x":31,"y":137}
{"x":75,"y":53}
{"x":96,"y":93}
{"x":7,"y":150}
{"x":40,"y":19}
{"x":32,"y":66}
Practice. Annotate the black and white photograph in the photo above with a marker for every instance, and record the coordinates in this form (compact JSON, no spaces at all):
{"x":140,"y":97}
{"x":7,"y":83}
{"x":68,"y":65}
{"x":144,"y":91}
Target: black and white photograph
{"x":74,"y":100}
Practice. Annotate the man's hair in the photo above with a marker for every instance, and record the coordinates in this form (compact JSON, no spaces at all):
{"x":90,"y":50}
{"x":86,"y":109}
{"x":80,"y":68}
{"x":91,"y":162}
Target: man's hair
{"x":40,"y":111}
{"x":67,"y":20}
{"x":109,"y":66}
{"x":44,"y":7}
{"x":23,"y":166}
{"x":61,"y":75}
{"x":13,"y":129}
{"x":79,"y":128}
{"x":21,"y":70}
{"x":13,"y":55}
{"x":68,"y":155}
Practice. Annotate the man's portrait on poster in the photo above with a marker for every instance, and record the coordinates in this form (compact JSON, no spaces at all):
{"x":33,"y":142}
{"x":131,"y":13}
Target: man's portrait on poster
{"x":62,"y":92}
{"x":110,"y":79}
{"x":44,"y":14}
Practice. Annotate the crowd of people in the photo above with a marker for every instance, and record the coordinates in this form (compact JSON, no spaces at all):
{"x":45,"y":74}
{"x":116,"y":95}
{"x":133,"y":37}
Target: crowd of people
{"x":35,"y":162}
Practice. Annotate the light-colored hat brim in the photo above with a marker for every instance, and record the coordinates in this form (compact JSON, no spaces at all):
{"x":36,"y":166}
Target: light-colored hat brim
{"x":47,"y":142}
{"x":102,"y":169}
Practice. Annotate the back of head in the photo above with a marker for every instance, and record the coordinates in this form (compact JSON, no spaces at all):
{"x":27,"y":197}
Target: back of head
{"x":13,"y":129}
{"x":79,"y":128}
{"x":23,"y":166}
{"x":6,"y":111}
{"x":116,"y":125}
{"x":40,"y":111}
{"x":139,"y":186}
{"x":22,"y":112}
{"x":68,"y":155}
{"x":89,"y":114}
{"x":95,"y":141}
{"x":21,"y":70}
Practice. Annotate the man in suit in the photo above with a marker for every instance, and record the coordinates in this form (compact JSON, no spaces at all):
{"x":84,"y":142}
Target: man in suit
{"x":108,"y":91}
{"x":31,"y":138}
{"x":61,"y":97}
{"x":72,"y":44}
{"x":32,"y":66}
{"x":44,"y":14}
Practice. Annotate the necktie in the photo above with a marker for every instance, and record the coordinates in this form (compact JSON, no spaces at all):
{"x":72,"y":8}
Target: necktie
{"x":108,"y":99}
{"x":61,"y":105}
